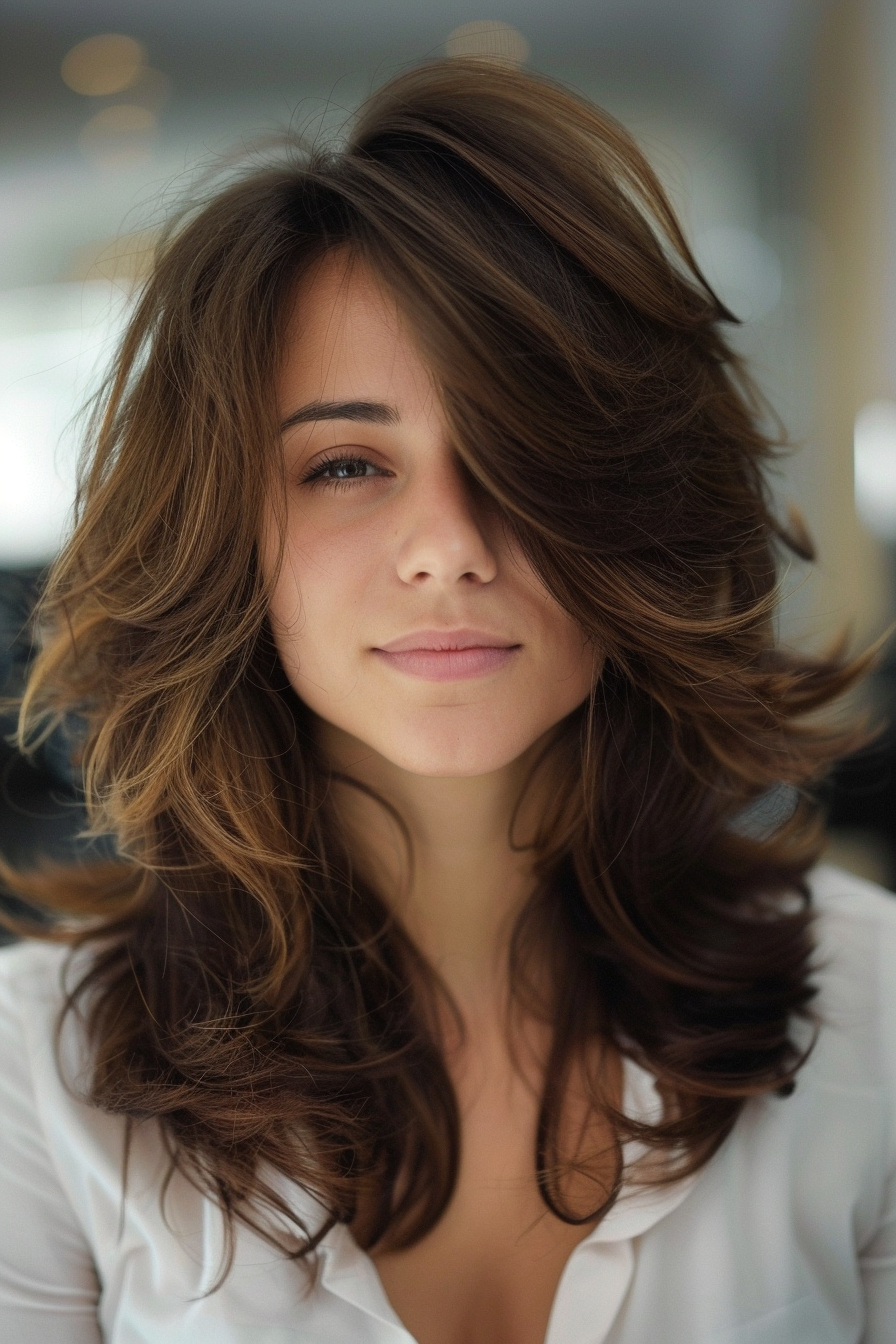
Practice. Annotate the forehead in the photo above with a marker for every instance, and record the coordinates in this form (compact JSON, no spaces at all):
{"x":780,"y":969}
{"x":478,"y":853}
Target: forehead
{"x":345,"y":336}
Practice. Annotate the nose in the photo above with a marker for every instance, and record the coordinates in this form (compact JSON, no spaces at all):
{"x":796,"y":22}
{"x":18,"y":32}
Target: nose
{"x":443,"y":539}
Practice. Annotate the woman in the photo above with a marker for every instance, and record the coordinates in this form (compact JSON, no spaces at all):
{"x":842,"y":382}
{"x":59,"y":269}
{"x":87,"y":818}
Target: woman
{"x":418,"y":624}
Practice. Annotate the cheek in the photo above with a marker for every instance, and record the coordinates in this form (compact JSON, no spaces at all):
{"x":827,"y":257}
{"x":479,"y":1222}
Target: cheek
{"x":570,"y":667}
{"x":321,"y":590}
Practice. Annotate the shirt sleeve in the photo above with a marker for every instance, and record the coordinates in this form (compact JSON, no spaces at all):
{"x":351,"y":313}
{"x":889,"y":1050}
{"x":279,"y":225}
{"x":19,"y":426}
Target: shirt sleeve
{"x":48,"y":1284}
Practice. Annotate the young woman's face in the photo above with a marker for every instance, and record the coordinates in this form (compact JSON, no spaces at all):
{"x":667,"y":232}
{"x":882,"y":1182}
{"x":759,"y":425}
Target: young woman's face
{"x":403,"y":613}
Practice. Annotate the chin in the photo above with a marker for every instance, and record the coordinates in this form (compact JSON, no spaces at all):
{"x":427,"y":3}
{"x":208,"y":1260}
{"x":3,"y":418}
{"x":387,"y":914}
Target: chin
{"x":474,"y":750}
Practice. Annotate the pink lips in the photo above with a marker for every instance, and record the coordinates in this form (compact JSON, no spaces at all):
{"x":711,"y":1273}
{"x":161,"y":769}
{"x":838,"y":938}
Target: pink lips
{"x":447,"y":655}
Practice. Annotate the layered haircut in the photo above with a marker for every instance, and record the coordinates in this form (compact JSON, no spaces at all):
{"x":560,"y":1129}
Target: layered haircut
{"x":245,"y":988}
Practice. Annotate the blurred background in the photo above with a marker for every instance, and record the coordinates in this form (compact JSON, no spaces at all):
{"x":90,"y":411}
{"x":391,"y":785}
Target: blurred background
{"x":771,"y":122}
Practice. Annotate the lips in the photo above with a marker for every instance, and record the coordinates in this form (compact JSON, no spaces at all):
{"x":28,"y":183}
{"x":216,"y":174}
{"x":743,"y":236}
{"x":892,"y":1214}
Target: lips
{"x":448,"y":655}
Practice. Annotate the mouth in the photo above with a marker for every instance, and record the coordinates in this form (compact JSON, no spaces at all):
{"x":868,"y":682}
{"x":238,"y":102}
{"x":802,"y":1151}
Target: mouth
{"x":448,"y":655}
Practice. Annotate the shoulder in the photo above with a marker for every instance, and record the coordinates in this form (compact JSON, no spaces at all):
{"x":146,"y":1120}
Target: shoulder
{"x":855,"y":973}
{"x":32,"y":985}
{"x":33,"y":978}
{"x":32,"y":969}
{"x":44,"y":1051}
{"x":834,"y":891}
{"x":855,"y":929}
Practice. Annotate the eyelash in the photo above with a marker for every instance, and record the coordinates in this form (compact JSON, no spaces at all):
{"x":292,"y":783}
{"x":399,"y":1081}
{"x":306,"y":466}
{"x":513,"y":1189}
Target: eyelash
{"x":317,"y":478}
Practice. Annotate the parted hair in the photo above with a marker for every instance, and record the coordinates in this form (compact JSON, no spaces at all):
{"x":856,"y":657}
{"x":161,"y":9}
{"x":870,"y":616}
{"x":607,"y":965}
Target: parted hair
{"x":244,"y":987}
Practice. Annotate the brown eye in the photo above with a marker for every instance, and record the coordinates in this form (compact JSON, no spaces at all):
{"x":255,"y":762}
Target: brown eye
{"x":343,"y":471}
{"x":349,"y":469}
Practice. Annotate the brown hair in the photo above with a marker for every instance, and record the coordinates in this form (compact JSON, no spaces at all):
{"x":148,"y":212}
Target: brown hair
{"x":245,"y":988}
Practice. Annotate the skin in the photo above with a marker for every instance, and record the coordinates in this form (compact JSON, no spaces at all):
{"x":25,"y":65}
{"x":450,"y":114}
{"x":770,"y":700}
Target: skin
{"x":384,"y":538}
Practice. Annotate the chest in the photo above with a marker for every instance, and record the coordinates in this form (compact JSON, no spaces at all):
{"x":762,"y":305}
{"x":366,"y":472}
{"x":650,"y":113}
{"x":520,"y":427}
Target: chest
{"x":488,"y":1272}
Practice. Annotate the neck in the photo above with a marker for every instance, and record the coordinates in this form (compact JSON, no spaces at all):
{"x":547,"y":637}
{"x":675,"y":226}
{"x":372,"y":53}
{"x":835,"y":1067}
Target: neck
{"x":454,"y":878}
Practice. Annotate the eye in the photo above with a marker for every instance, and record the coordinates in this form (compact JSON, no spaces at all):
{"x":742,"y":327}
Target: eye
{"x":342,"y":470}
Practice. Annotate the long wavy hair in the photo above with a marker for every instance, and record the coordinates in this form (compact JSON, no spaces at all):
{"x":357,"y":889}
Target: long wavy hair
{"x":245,"y":988}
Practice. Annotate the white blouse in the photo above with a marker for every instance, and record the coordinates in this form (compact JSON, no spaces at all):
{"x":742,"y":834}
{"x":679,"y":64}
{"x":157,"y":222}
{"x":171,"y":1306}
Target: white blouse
{"x":787,"y":1236}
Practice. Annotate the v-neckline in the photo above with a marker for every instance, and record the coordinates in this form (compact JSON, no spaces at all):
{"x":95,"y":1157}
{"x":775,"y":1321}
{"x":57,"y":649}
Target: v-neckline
{"x":598,"y":1269}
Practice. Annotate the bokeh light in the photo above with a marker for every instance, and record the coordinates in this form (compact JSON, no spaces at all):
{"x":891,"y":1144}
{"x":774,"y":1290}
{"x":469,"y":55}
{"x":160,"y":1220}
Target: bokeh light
{"x":102,"y":65}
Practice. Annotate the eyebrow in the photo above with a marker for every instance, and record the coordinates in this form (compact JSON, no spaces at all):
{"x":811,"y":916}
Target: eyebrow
{"x":367,"y":412}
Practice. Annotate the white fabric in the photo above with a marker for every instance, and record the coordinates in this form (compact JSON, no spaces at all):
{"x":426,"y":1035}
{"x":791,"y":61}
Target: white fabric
{"x":788,"y":1236}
